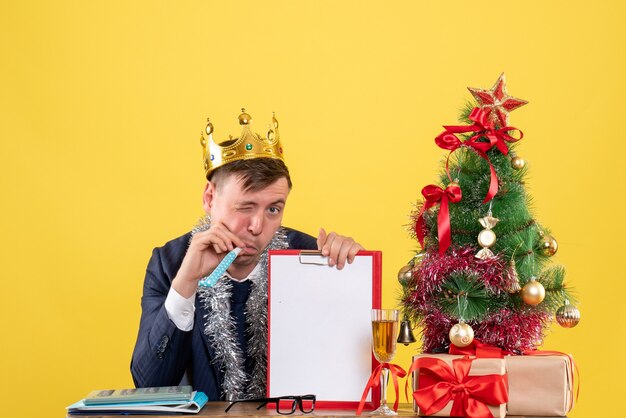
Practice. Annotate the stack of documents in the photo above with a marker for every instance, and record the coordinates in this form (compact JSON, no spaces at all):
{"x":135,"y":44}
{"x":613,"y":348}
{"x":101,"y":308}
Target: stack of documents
{"x":177,"y":399}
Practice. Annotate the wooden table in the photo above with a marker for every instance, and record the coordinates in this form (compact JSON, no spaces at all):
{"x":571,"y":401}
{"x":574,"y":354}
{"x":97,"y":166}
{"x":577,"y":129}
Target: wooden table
{"x":247,"y":410}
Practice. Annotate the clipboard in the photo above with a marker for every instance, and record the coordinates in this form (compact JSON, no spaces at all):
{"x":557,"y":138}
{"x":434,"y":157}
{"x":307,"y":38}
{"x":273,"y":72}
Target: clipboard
{"x":319,"y":327}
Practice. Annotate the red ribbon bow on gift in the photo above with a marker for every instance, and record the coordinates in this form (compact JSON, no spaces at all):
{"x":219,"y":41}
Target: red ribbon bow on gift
{"x":482,"y":127}
{"x":374,"y":381}
{"x":432,"y":195}
{"x":469,"y":394}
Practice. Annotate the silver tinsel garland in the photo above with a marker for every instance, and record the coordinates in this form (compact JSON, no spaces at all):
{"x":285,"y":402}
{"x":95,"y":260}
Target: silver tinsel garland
{"x":220,"y":327}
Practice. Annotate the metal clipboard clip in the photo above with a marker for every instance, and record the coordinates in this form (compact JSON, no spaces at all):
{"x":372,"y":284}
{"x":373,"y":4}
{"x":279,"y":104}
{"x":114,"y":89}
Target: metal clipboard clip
{"x":313,"y":257}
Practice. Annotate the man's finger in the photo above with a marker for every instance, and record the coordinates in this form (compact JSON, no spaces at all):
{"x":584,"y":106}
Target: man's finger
{"x":328,"y":248}
{"x":356,"y":247}
{"x":228,"y":237}
{"x":220,"y":238}
{"x":343,"y":251}
{"x":321,"y":239}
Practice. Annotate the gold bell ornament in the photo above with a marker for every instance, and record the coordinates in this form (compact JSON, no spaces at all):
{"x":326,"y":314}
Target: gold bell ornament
{"x":533,"y":292}
{"x":405,"y":336}
{"x":567,"y":315}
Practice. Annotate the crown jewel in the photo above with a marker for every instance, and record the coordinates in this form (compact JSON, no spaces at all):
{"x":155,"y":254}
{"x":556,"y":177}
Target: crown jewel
{"x":249,"y":145}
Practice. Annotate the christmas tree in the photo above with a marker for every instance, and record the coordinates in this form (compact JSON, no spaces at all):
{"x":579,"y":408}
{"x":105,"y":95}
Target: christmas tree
{"x":483,"y":269}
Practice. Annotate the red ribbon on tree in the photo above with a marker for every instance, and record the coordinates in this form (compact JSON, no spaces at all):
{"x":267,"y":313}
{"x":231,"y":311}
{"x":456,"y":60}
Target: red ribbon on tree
{"x":470,"y":395}
{"x":482,"y":127}
{"x":432,"y":195}
{"x":374,"y":381}
{"x":478,"y":349}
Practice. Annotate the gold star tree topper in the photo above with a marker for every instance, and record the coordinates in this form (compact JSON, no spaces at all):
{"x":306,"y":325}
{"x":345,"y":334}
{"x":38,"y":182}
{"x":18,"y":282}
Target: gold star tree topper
{"x":496,"y":102}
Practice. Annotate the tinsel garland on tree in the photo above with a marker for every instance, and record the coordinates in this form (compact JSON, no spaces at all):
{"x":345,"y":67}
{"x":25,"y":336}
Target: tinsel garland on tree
{"x":494,"y":272}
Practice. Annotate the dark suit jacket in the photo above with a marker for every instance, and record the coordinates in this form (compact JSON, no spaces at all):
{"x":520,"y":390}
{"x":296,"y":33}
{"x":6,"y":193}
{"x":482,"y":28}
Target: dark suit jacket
{"x":163,"y":353}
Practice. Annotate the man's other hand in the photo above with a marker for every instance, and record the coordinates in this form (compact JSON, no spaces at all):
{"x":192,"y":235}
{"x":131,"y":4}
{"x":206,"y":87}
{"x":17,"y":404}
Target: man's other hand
{"x":337,"y":248}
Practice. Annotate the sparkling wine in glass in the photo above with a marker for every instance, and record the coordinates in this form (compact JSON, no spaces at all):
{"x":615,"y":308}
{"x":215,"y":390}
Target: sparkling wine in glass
{"x":384,"y":332}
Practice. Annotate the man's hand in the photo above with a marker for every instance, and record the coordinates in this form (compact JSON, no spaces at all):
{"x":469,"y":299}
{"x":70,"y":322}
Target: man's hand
{"x":206,"y":250}
{"x":337,"y":248}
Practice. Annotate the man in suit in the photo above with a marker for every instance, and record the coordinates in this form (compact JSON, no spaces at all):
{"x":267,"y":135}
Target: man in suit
{"x":216,"y":337}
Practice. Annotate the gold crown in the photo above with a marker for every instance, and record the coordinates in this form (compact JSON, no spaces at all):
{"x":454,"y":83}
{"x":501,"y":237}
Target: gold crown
{"x":249,"y":145}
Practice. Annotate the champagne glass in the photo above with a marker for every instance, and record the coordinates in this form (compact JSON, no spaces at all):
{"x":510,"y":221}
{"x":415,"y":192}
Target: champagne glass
{"x":384,"y":331}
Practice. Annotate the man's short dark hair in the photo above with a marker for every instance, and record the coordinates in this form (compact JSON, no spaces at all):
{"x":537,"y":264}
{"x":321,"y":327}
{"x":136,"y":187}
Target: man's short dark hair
{"x":256,"y":173}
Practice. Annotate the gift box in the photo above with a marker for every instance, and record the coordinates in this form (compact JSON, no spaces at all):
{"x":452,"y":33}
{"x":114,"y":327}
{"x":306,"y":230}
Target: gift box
{"x":457,"y":385}
{"x":540,"y":384}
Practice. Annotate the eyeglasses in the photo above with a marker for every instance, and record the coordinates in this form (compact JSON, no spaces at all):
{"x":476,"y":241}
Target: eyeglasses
{"x":285,"y":405}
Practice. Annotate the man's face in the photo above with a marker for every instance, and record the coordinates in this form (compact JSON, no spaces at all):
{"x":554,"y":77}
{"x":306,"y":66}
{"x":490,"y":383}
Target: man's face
{"x":253,"y":216}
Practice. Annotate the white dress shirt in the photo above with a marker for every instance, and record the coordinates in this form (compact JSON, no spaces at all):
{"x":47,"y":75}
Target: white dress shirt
{"x":181,"y":310}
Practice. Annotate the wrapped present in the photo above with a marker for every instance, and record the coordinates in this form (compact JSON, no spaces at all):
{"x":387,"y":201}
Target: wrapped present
{"x":458,"y":385}
{"x":540,"y":383}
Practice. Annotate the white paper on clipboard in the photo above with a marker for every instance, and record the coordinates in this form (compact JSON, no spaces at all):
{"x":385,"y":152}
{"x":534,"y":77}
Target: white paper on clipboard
{"x":320,"y":326}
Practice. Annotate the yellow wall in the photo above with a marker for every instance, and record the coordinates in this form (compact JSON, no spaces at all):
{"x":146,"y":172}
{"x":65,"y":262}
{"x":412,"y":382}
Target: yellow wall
{"x":101,"y":105}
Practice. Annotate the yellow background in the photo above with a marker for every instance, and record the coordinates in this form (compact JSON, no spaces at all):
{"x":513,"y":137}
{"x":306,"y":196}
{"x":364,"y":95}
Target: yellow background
{"x":101,"y":105}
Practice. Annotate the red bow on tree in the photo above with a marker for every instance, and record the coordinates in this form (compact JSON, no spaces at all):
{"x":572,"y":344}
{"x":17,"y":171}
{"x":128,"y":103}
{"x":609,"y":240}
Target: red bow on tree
{"x":470,"y":395}
{"x":482,"y":128}
{"x":478,"y":349}
{"x":432,"y":195}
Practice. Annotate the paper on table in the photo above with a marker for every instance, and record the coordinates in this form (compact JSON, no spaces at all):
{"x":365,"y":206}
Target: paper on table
{"x":198,"y":400}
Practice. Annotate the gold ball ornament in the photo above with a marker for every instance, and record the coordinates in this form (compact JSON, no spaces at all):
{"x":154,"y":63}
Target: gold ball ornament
{"x":405,"y":274}
{"x":549,"y":246}
{"x":533,"y":292}
{"x":567,"y":315}
{"x":461,"y":335}
{"x":517,"y":163}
